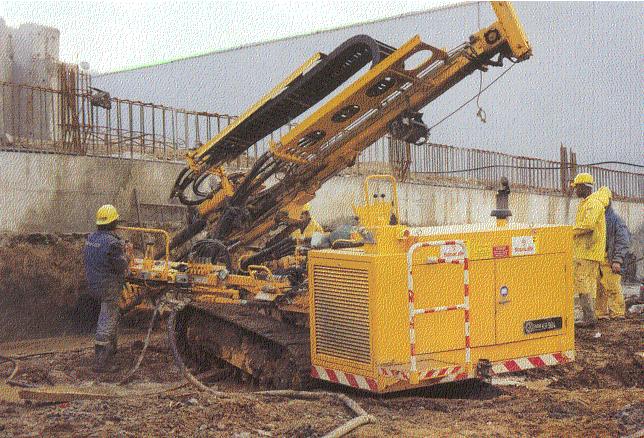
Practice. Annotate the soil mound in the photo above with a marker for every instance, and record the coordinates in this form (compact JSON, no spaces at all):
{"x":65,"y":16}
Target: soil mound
{"x":41,"y":280}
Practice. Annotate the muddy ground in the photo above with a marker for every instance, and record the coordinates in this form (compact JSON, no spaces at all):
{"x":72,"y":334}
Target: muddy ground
{"x":600,"y":394}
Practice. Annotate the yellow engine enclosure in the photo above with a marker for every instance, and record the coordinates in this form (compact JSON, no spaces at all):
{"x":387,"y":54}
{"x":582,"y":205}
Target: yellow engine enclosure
{"x":360,"y":309}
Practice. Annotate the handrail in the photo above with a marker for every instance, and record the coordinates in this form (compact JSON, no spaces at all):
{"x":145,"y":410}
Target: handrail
{"x":465,"y":306}
{"x":394,"y":189}
{"x":166,"y":235}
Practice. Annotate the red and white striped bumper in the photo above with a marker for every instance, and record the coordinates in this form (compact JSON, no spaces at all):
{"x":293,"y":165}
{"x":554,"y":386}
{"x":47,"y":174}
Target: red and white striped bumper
{"x":526,"y":363}
{"x":343,"y":378}
{"x":441,"y":375}
{"x":450,"y":374}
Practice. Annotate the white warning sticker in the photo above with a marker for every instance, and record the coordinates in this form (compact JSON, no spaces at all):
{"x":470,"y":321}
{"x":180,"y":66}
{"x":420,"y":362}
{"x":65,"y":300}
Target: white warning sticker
{"x":523,"y":245}
{"x":451,"y":252}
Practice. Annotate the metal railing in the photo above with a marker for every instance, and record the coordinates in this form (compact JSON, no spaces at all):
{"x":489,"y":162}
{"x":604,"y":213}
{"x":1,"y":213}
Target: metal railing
{"x":85,"y":121}
{"x":79,"y":119}
{"x":45,"y":119}
{"x":437,"y":163}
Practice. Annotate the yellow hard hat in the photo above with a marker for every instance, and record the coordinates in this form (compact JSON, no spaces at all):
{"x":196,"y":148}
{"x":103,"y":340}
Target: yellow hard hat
{"x":306,"y":207}
{"x":106,"y":215}
{"x":583,"y":178}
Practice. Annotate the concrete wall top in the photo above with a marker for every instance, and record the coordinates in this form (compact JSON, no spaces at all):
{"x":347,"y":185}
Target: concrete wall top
{"x":60,"y":193}
{"x":430,"y":205}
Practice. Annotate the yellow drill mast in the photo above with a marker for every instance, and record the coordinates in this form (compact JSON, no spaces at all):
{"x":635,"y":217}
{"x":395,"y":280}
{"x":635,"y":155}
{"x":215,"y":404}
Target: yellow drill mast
{"x":395,"y":312}
{"x":386,"y":99}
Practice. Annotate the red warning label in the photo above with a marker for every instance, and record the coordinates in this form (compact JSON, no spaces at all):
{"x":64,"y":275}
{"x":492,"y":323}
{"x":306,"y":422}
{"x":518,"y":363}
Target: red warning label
{"x":501,"y":251}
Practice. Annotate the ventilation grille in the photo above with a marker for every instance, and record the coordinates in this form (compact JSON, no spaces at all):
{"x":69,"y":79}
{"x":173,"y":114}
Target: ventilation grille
{"x":342,"y":312}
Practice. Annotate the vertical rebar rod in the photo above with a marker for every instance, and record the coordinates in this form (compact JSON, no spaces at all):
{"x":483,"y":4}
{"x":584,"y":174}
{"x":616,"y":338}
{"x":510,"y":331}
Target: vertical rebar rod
{"x":165,"y":142}
{"x":119,"y":127}
{"x":142,"y":130}
{"x":154,"y":132}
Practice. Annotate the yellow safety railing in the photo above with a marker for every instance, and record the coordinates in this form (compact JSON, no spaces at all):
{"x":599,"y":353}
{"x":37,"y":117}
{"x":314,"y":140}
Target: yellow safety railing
{"x":166,"y":235}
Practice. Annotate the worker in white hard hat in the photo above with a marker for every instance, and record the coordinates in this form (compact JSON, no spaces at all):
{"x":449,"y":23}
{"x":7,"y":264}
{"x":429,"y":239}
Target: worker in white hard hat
{"x":106,"y":265}
{"x":589,"y":245}
{"x":312,"y":225}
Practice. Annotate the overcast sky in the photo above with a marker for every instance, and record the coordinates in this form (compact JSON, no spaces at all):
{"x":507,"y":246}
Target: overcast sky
{"x":112,"y":35}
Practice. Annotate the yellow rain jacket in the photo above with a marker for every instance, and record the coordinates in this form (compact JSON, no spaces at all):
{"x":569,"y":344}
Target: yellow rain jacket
{"x":590,"y":216}
{"x":311,"y":228}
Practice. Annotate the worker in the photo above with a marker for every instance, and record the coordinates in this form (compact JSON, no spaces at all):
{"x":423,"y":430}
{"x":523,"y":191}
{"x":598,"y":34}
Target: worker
{"x":589,"y":245}
{"x":312,"y":225}
{"x":610,"y":301}
{"x":106,"y":265}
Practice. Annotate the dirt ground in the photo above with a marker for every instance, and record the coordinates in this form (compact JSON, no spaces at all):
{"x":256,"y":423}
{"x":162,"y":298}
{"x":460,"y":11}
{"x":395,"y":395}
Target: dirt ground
{"x":600,"y":394}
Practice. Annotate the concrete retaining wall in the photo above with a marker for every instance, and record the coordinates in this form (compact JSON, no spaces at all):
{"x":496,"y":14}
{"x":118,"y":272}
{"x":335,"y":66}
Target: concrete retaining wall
{"x":60,"y":193}
{"x":426,"y":205}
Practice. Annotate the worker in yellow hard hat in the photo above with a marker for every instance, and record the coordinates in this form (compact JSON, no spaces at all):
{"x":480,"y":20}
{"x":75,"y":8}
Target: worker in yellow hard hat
{"x":610,"y":300}
{"x":589,"y":245}
{"x":106,"y":265}
{"x":312,"y":226}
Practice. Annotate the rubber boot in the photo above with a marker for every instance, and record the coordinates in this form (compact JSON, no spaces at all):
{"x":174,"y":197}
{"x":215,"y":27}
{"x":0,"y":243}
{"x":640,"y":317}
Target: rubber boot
{"x":588,"y":310}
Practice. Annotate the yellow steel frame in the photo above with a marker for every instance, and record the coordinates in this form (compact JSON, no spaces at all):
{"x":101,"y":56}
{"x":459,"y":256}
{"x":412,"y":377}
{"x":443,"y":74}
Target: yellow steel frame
{"x":355,"y":95}
{"x":193,"y":157}
{"x":439,"y":72}
{"x":218,"y":198}
{"x":512,"y":29}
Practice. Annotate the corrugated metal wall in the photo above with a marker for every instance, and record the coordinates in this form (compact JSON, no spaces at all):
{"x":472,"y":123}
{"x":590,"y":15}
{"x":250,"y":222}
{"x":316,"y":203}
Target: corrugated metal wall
{"x":583,"y":86}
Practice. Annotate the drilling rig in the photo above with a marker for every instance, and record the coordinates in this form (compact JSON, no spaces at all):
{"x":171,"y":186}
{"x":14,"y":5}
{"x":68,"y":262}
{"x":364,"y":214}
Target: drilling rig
{"x":375,"y":311}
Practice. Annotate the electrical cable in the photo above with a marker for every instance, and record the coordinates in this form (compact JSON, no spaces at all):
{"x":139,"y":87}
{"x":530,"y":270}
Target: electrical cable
{"x":15,"y":369}
{"x":137,"y":364}
{"x":473,"y":98}
{"x":481,"y":112}
{"x":510,"y":166}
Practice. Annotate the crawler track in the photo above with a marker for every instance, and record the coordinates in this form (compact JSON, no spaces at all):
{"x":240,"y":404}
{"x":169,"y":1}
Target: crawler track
{"x":274,"y":353}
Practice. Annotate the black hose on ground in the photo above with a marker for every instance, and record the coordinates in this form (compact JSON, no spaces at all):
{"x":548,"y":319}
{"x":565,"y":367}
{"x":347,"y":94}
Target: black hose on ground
{"x":362,"y":416}
{"x":137,"y":364}
{"x":178,"y":361}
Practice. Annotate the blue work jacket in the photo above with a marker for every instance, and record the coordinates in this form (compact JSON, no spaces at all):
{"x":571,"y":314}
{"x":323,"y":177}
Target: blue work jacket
{"x":105,"y":261}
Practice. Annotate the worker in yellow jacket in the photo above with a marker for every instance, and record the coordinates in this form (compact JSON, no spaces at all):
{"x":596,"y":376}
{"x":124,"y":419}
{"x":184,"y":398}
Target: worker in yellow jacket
{"x":589,"y":244}
{"x":311,"y":227}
